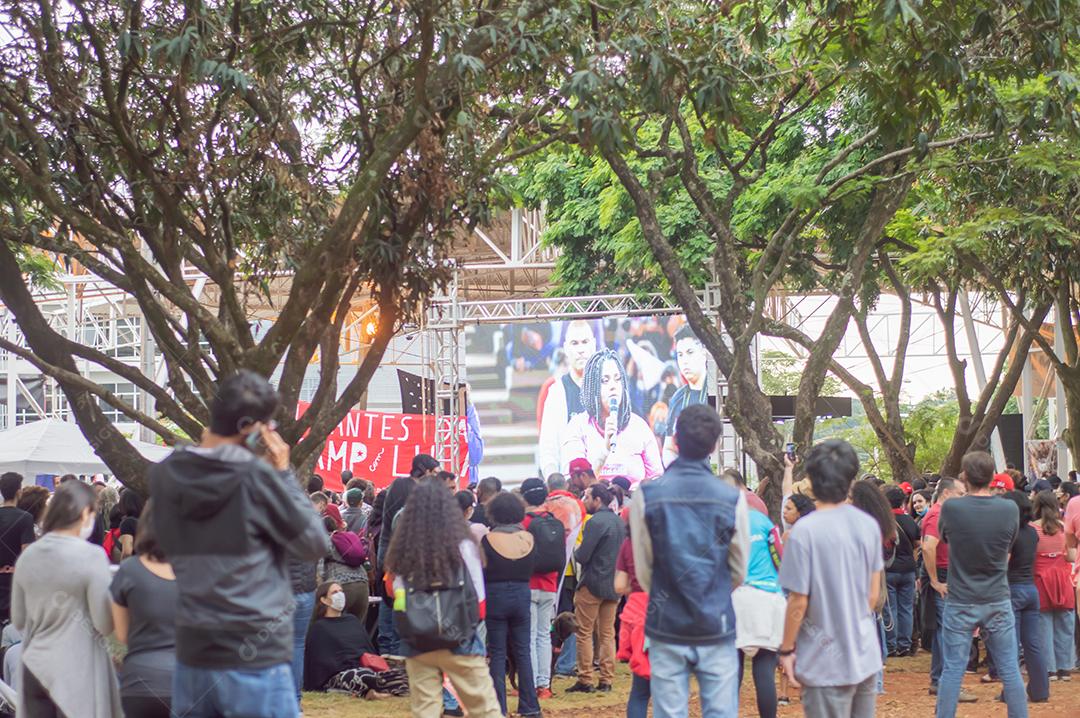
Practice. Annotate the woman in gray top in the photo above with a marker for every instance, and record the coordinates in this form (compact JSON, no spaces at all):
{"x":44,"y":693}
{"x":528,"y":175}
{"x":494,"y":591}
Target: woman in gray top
{"x":144,"y":603}
{"x":60,"y":604}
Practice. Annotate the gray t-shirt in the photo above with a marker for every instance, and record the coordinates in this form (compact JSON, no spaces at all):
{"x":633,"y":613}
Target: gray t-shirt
{"x":151,"y":603}
{"x":831,"y":556}
{"x":980,"y":531}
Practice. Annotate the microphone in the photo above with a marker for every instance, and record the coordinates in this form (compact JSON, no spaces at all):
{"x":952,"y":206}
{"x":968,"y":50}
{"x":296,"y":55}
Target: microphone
{"x":613,"y":409}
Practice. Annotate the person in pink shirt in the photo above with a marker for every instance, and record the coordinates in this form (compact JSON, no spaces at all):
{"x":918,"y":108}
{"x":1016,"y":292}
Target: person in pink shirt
{"x":608,"y":435}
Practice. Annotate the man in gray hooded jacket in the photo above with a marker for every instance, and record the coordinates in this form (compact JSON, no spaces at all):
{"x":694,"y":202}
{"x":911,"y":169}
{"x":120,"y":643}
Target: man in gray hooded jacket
{"x":229,"y":513}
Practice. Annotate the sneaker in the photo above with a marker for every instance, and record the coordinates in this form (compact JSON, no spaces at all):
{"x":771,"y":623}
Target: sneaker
{"x":1053,"y":676}
{"x":604,"y":688}
{"x":967,"y":696}
{"x":458,"y":712}
{"x":933,"y":690}
{"x":784,"y":701}
{"x":1064,"y":676}
{"x":581,"y":688}
{"x":543,"y":693}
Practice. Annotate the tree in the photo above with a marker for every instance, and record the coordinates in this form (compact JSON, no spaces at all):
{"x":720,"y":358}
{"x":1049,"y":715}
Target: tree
{"x":1014,"y":230}
{"x":796,"y":134}
{"x":304,"y":155}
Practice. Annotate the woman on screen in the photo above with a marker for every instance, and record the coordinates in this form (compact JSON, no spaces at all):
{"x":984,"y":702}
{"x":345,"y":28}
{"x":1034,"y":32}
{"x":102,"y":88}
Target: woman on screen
{"x":608,"y":435}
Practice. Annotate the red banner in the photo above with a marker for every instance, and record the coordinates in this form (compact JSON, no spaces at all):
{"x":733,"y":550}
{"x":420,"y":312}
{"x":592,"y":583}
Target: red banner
{"x":380,"y":447}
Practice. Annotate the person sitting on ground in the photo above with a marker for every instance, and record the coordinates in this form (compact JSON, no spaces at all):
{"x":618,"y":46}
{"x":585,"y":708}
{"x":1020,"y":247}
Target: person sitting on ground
{"x":338,"y":654}
{"x":144,"y":601}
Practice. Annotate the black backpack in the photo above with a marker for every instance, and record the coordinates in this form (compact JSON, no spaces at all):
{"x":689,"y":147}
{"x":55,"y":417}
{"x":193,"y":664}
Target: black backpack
{"x":439,"y":616}
{"x":549,"y":539}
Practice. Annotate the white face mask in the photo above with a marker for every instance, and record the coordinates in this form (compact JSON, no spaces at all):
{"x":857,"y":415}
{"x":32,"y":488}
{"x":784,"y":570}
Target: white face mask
{"x":337,"y":601}
{"x":87,"y":528}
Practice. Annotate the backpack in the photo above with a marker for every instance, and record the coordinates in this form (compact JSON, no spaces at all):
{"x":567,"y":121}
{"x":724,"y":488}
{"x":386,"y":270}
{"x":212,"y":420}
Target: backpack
{"x":111,"y":543}
{"x":549,"y":539}
{"x":438,"y":616}
{"x":353,"y":547}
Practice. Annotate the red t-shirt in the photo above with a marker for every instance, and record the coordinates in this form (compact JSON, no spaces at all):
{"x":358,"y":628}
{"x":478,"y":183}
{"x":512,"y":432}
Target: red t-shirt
{"x":625,"y":562}
{"x":542,"y":581}
{"x":929,"y":528}
{"x":753,"y":501}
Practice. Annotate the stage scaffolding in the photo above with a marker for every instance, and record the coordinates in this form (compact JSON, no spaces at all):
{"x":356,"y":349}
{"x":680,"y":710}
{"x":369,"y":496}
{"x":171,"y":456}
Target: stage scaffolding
{"x":448,"y":315}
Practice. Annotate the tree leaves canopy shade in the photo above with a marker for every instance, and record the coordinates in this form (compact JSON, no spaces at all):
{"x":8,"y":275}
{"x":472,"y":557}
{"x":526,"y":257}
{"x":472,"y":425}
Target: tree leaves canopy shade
{"x":304,"y":155}
{"x":796,"y":131}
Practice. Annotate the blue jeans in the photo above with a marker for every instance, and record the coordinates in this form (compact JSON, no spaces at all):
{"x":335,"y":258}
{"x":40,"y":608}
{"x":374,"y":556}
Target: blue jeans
{"x":1058,"y":633}
{"x":1025,"y":604}
{"x":637,"y":705}
{"x":937,"y":649}
{"x":716,"y":668}
{"x":389,"y":641}
{"x":901,"y":611}
{"x":999,"y":633}
{"x":226,"y":693}
{"x":567,"y":660}
{"x":305,"y":603}
{"x":508,"y":606}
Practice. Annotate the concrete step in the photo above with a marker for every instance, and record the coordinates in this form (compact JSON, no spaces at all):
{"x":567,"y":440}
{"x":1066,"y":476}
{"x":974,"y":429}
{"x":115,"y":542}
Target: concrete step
{"x":500,"y":451}
{"x":510,"y":474}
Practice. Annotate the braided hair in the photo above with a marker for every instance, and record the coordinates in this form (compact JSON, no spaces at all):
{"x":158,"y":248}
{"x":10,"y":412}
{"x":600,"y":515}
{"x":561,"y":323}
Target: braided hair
{"x":590,"y":387}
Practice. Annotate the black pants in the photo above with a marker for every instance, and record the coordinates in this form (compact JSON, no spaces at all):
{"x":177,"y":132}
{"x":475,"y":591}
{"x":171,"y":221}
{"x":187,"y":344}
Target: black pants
{"x":764,"y":671}
{"x":36,"y":698}
{"x":145,"y":706}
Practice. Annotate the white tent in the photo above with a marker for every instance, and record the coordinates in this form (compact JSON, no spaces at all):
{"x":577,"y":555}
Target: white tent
{"x":52,"y":446}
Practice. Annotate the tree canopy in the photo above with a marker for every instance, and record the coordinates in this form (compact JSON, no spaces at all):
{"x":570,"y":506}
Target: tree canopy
{"x":307,"y":158}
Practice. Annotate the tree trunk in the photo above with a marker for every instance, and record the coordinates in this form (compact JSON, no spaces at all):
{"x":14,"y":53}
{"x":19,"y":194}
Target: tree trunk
{"x":1070,"y":381}
{"x":108,"y":443}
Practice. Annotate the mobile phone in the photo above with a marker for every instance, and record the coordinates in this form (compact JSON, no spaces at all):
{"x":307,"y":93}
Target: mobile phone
{"x":254,"y":442}
{"x":789,"y":449}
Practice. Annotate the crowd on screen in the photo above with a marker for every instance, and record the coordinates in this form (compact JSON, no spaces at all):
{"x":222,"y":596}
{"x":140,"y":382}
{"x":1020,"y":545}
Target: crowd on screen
{"x":235,"y":589}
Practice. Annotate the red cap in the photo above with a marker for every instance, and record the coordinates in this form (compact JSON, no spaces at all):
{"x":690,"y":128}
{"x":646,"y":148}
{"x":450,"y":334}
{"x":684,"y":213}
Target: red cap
{"x":1002,"y":481}
{"x":906,"y":487}
{"x":578,"y":466}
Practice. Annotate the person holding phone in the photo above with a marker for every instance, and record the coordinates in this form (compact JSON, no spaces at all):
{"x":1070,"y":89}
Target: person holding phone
{"x":229,"y":513}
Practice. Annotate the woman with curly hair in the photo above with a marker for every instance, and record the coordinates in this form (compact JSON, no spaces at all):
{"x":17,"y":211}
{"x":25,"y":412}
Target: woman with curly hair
{"x":33,"y":500}
{"x":431,"y":544}
{"x":614,"y":440}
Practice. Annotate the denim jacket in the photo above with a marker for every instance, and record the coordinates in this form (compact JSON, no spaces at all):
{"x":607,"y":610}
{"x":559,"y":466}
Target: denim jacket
{"x":697,"y":528}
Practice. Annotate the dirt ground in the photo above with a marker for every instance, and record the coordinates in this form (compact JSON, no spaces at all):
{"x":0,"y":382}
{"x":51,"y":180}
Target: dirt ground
{"x":905,"y":697}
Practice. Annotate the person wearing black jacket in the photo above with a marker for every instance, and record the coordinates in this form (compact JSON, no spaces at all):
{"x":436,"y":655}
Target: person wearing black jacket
{"x":337,"y":644}
{"x":229,"y":512}
{"x":900,"y":577}
{"x":596,"y":600}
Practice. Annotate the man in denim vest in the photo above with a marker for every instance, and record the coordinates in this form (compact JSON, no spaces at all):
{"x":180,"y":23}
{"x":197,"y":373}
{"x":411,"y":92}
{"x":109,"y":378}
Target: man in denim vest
{"x":691,"y":537}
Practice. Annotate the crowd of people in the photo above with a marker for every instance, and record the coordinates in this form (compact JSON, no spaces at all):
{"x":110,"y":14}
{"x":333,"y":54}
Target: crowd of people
{"x":234,"y":588}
